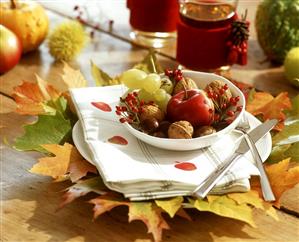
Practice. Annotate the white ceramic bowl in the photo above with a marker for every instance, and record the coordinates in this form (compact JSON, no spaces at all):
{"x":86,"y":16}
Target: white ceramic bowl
{"x":201,"y":79}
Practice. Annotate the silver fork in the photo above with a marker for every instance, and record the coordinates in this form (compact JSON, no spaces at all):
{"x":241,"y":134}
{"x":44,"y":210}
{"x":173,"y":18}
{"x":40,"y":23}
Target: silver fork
{"x":243,"y":127}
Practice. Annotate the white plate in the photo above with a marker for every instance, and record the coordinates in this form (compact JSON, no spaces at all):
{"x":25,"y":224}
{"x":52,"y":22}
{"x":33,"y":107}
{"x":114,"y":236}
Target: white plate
{"x":264,"y":145}
{"x":202,"y":79}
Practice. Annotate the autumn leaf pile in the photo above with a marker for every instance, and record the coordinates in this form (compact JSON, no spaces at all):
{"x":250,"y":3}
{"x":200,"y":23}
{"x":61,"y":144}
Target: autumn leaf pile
{"x":51,"y":135}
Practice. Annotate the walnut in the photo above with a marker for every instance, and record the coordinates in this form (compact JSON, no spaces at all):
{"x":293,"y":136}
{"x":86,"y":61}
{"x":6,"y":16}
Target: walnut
{"x":203,"y":130}
{"x":185,"y":84}
{"x":221,"y":88}
{"x":180,"y":130}
{"x":151,"y":111}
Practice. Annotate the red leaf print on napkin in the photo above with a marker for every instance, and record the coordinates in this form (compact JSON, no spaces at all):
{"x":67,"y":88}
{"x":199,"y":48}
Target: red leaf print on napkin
{"x":118,"y":140}
{"x":102,"y":106}
{"x":186,"y":166}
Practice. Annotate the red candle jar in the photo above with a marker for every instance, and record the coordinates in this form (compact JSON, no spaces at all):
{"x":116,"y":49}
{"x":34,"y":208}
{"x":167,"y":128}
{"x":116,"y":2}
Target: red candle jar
{"x":153,"y":21}
{"x":204,"y":32}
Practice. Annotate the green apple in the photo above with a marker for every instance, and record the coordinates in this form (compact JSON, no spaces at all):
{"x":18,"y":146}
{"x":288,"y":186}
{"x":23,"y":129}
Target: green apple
{"x":291,"y":66}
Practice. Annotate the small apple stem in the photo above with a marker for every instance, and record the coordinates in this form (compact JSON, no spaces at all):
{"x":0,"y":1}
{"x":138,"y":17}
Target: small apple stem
{"x":186,"y":94}
{"x":13,"y":4}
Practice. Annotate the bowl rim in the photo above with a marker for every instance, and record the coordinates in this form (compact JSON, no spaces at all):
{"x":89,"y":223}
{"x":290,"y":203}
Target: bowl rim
{"x":206,"y":137}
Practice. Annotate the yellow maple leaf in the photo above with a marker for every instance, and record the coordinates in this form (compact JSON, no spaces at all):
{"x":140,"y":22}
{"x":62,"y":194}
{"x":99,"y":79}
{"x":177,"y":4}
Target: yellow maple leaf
{"x":226,"y":207}
{"x":31,"y":98}
{"x":265,"y":104}
{"x":171,"y":206}
{"x":71,"y":79}
{"x":147,"y":212}
{"x":281,"y":179}
{"x":66,"y":160}
{"x":252,"y":198}
{"x":150,"y":215}
{"x":54,"y":166}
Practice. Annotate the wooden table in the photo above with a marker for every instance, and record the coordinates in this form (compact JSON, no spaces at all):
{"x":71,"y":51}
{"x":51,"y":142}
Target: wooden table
{"x":29,"y":202}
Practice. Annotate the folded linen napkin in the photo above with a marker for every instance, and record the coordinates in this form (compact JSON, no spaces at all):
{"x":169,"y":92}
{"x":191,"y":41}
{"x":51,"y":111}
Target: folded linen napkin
{"x":141,"y":171}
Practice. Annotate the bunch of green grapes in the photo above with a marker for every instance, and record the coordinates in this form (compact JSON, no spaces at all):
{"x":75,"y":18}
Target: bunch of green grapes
{"x":152,"y":87}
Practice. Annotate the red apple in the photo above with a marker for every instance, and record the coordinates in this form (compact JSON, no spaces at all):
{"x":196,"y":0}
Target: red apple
{"x":10,"y":49}
{"x":193,"y":106}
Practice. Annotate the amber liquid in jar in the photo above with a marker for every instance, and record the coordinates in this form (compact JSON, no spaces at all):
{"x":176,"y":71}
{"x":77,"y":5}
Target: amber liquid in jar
{"x":206,"y":14}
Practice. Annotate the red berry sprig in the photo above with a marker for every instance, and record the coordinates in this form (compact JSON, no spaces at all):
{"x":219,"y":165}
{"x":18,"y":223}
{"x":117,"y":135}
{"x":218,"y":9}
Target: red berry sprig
{"x":226,"y":109}
{"x":175,"y":74}
{"x":130,"y":109}
{"x":84,"y":17}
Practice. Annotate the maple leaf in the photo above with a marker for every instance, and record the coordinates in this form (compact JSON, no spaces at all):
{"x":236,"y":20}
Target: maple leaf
{"x":278,"y":153}
{"x":149,"y":64}
{"x":66,"y":159}
{"x":293,"y":114}
{"x":150,"y":215}
{"x":281,"y":179}
{"x":183,"y":214}
{"x":293,"y":152}
{"x":147,"y":212}
{"x":71,"y":79}
{"x":226,"y":207}
{"x":57,"y":165}
{"x":252,"y":198}
{"x":289,"y":134}
{"x":171,"y":206}
{"x":79,"y":168}
{"x":83,"y":187}
{"x":106,"y":203}
{"x":32,"y":98}
{"x":269,"y":107}
{"x":47,"y":130}
{"x":102,"y":78}
{"x":245,"y":88}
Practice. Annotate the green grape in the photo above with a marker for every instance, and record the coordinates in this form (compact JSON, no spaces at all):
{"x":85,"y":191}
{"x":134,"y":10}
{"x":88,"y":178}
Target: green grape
{"x":166,"y":84}
{"x":160,"y":94}
{"x":145,"y":96}
{"x":133,"y":78}
{"x":163,"y":103}
{"x":152,"y":83}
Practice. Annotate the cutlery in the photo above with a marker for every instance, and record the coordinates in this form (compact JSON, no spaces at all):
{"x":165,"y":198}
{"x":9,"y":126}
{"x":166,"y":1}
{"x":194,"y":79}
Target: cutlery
{"x":265,"y":184}
{"x":260,"y":131}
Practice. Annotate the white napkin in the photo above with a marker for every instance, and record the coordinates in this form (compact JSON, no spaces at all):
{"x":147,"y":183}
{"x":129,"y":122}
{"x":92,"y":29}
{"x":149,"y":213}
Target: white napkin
{"x":141,"y":171}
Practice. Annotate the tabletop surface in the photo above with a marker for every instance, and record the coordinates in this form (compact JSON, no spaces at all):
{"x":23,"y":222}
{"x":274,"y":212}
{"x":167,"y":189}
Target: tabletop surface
{"x":29,"y":202}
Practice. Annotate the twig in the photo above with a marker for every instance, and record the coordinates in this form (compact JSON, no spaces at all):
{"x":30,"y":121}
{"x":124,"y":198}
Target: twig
{"x":110,"y":33}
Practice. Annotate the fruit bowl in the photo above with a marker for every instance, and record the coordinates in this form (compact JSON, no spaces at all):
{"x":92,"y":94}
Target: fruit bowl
{"x":201,"y":79}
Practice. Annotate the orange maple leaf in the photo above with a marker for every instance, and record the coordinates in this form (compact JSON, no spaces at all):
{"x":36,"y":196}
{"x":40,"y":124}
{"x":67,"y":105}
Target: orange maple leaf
{"x":31,"y":98}
{"x":79,"y":168}
{"x":269,"y":107}
{"x":67,"y":159}
{"x":147,"y":212}
{"x":281,"y":179}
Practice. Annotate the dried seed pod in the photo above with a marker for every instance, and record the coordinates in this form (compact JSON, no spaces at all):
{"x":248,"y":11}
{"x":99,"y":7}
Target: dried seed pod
{"x":151,"y":111}
{"x":180,"y":130}
{"x":149,"y":125}
{"x":204,"y":130}
{"x":185,"y":84}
